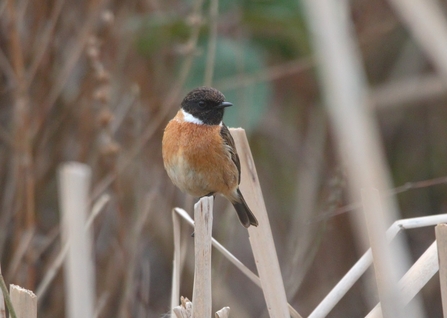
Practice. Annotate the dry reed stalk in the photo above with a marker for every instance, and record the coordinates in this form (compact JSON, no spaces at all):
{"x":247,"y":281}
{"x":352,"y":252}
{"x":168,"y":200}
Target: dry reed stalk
{"x":403,"y":88}
{"x":441,"y":240}
{"x":24,"y":302}
{"x":184,"y":310}
{"x":21,"y":250}
{"x":261,"y":238}
{"x":414,"y":279}
{"x":51,"y":272}
{"x":22,"y":161}
{"x":425,"y":19}
{"x":101,"y":304}
{"x":176,"y":266}
{"x":382,"y":256}
{"x":345,"y":93}
{"x":360,"y":267}
{"x":74,"y":187}
{"x":235,"y":261}
{"x":201,"y":294}
{"x":303,"y":245}
{"x":133,"y":254}
{"x":343,"y":286}
{"x":408,"y":91}
{"x":223,"y":313}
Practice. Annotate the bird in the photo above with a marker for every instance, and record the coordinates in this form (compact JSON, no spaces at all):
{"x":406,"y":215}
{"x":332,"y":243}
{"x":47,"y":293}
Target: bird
{"x":199,"y":153}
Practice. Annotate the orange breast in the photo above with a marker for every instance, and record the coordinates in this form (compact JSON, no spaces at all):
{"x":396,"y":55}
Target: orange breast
{"x":196,"y":160}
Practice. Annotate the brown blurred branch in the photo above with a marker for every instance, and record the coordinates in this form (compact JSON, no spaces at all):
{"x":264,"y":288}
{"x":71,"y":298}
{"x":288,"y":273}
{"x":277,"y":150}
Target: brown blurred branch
{"x":7,"y":68}
{"x":22,"y":159}
{"x":45,"y":40}
{"x":76,"y":53}
{"x":213,"y":16}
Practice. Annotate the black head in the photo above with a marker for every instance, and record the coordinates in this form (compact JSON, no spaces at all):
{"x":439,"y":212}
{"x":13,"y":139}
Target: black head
{"x":206,"y":104}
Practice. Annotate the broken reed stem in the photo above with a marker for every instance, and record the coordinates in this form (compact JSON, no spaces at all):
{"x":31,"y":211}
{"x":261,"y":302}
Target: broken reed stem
{"x":441,"y":240}
{"x":175,"y":292}
{"x":74,"y":188}
{"x":233,"y":259}
{"x":223,"y":313}
{"x":201,"y":294}
{"x":184,"y":310}
{"x":24,"y":300}
{"x":261,"y":238}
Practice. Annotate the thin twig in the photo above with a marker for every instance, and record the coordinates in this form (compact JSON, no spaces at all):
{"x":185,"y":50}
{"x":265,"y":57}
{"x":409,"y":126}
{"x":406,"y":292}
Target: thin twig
{"x":401,"y":189}
{"x":45,"y":40}
{"x":201,"y":293}
{"x":419,"y":184}
{"x":8,"y":302}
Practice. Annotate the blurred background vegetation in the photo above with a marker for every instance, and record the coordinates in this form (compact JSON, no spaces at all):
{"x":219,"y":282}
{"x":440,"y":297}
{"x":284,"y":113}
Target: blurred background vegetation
{"x":96,"y":81}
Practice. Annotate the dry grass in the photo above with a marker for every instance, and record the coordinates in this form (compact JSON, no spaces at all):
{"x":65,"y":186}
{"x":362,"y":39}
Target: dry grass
{"x":95,"y":81}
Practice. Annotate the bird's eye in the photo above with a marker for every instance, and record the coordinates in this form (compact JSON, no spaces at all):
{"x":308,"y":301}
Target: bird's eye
{"x":202,"y":103}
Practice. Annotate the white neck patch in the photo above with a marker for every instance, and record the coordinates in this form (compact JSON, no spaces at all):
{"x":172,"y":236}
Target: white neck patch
{"x":190,"y":118}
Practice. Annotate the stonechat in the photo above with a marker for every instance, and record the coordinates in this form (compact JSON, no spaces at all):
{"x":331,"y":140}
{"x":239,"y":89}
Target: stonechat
{"x":199,"y":153}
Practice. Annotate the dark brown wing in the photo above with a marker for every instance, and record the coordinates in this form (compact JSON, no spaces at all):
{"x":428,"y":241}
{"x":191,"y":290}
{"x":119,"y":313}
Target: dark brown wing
{"x":228,"y":139}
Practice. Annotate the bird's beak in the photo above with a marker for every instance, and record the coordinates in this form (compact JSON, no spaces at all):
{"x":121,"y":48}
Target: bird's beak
{"x":225,"y":104}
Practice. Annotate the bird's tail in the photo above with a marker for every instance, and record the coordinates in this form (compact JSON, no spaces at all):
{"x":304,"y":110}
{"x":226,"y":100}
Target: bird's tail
{"x":244,"y":213}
